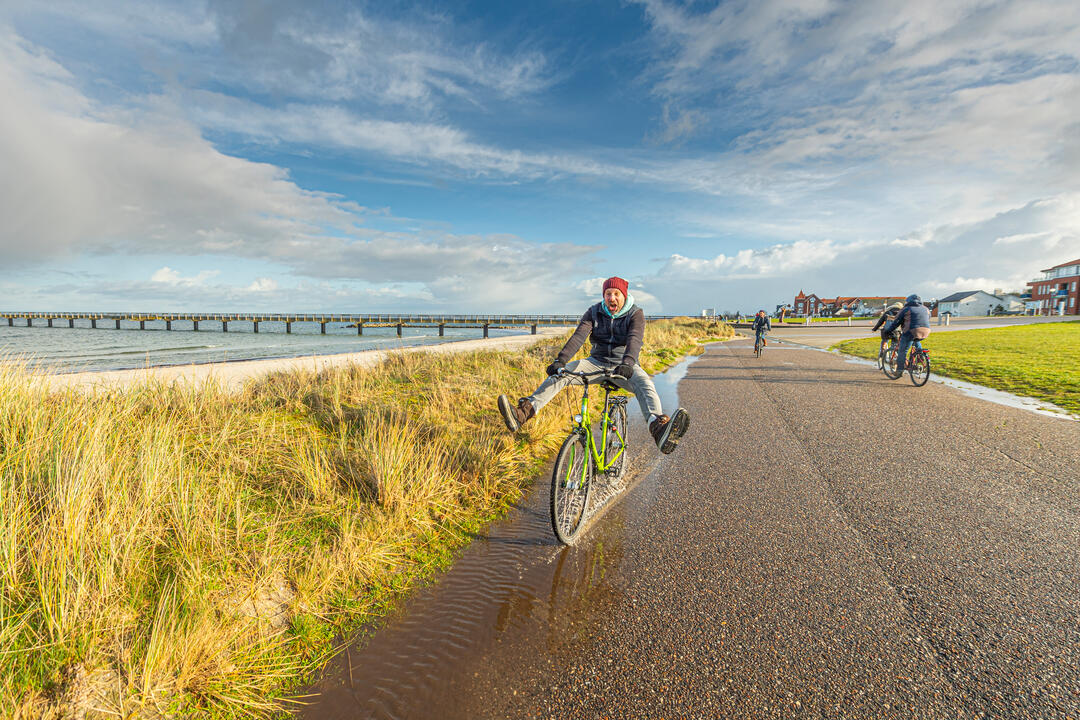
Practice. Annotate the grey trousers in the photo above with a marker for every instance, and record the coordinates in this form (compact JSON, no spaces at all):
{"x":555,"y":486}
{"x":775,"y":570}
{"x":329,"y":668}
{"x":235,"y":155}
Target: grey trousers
{"x":639,"y":383}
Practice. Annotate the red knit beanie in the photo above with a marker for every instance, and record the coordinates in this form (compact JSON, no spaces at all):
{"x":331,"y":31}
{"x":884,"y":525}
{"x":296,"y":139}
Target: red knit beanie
{"x":618,"y":283}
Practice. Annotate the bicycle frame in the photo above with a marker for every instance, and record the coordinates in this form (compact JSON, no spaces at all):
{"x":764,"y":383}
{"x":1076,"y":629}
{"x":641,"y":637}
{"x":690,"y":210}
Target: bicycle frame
{"x":913,"y":351}
{"x":583,"y":424}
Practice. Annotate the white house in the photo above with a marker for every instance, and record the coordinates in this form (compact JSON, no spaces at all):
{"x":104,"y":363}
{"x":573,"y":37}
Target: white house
{"x":971,"y":303}
{"x":1012,"y":302}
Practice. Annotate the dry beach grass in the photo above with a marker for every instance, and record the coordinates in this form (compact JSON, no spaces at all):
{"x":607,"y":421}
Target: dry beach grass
{"x":180,"y":549}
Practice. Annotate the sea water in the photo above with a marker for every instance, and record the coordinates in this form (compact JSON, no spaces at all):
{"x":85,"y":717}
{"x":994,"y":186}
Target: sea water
{"x":82,"y":348}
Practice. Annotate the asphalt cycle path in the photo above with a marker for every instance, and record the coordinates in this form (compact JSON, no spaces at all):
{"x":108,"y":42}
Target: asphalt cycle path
{"x":826,"y":334}
{"x":829,"y":543}
{"x":824,"y":543}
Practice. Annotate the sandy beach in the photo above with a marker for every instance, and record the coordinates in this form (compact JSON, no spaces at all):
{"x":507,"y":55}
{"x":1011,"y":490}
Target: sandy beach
{"x":233,"y":375}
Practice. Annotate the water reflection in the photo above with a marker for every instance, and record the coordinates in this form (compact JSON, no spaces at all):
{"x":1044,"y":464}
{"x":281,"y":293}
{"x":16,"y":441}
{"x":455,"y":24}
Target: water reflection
{"x":512,"y":587}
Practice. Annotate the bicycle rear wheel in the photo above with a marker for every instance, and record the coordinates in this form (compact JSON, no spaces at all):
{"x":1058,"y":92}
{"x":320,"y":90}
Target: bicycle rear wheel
{"x":571,"y":485}
{"x":919,"y":370}
{"x":616,"y":440}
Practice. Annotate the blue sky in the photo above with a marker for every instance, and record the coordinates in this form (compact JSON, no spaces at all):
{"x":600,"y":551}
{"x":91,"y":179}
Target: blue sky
{"x":506,"y":157}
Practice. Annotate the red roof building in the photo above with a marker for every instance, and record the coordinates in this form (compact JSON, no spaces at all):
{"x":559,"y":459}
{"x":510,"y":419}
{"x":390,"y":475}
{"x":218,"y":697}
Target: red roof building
{"x":841,"y":305}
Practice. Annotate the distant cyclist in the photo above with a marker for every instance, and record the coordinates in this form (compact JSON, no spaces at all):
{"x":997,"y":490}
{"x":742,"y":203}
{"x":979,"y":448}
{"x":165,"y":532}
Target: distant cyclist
{"x":914,"y":318}
{"x":888,"y":316}
{"x":761,"y":324}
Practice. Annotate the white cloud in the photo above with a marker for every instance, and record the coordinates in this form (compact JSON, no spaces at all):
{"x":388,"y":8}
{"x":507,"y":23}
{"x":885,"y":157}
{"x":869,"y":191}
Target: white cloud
{"x":951,"y":110}
{"x":81,"y":180}
{"x":320,"y":52}
{"x":924,"y":262}
{"x":168,"y":276}
{"x":263,"y":285}
{"x":146,"y":183}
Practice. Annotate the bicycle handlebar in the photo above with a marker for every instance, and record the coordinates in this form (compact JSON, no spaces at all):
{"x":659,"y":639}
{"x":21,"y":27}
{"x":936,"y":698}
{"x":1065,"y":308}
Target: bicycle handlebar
{"x":607,"y":374}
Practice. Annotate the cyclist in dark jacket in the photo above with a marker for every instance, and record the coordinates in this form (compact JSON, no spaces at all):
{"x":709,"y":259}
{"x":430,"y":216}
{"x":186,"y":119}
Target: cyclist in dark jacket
{"x":914,"y":318}
{"x":616,"y":329}
{"x":888,"y":316}
{"x":761,"y":324}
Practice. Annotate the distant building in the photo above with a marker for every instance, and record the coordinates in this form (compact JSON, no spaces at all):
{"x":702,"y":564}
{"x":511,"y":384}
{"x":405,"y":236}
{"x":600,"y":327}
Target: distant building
{"x":970,"y":303}
{"x":841,"y":305}
{"x":1056,"y":293}
{"x":1012,"y":302}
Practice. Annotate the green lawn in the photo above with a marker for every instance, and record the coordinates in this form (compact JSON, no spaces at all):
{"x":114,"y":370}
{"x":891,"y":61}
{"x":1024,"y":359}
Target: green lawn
{"x":1040,"y":361}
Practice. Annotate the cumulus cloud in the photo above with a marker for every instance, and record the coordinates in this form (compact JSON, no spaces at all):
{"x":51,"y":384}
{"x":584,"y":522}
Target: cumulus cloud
{"x":924,"y":262}
{"x":148,"y":183}
{"x":316,"y":51}
{"x":952,"y":109}
{"x":76,"y":179}
{"x":811,"y":139}
{"x":263,"y":285}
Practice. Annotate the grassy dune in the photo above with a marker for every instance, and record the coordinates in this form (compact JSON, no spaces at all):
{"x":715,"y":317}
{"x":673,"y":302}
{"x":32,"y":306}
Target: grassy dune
{"x":1040,"y":361}
{"x":173,"y":551}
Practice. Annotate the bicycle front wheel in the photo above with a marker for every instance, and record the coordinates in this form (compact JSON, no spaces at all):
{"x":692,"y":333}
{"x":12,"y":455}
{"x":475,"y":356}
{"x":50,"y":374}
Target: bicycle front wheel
{"x":889,"y":365}
{"x":919,"y":369}
{"x":616,"y":441}
{"x":571,"y":485}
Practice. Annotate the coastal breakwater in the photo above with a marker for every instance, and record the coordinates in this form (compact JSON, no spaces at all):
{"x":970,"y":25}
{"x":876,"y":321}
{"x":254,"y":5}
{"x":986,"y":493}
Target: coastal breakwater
{"x":198,"y":321}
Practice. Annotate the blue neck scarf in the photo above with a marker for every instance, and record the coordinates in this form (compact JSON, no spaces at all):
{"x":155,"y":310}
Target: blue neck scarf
{"x":622,"y":311}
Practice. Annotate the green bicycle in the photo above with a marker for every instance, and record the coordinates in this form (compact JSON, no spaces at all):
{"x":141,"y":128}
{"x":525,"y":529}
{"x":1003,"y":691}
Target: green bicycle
{"x":585,"y":455}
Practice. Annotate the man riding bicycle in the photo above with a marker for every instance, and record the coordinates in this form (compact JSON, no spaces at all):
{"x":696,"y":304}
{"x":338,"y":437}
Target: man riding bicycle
{"x":616,"y":328}
{"x":761,"y":324}
{"x":914,"y":318}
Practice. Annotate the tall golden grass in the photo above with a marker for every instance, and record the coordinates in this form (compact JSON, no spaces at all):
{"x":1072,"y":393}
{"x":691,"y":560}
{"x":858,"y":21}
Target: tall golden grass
{"x":173,"y":550}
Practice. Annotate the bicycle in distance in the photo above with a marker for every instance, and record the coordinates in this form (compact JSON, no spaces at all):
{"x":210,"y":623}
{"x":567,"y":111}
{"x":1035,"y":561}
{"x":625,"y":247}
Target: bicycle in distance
{"x":918,"y":361}
{"x":759,"y":345}
{"x":586,"y":455}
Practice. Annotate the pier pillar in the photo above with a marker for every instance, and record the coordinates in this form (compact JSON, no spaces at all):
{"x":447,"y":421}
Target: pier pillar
{"x":142,"y":324}
{"x":29,"y":322}
{"x":224,"y":326}
{"x":255,"y":324}
{"x":117,"y":323}
{"x":359,"y":328}
{"x":10,"y":322}
{"x":93,"y":323}
{"x":441,"y":328}
{"x":322,"y":328}
{"x":485,"y":330}
{"x":50,"y":322}
{"x":399,"y":329}
{"x":71,"y":322}
{"x":288,"y":327}
{"x":534,"y":329}
{"x":168,"y":324}
{"x":196,"y":324}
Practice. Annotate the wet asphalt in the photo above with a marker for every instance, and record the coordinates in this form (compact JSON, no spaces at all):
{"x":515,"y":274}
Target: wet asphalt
{"x":829,"y":543}
{"x":824,"y":543}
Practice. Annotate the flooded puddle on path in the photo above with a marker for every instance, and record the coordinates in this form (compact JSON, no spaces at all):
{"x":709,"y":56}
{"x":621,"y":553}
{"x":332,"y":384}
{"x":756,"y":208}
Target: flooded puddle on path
{"x":516,"y":584}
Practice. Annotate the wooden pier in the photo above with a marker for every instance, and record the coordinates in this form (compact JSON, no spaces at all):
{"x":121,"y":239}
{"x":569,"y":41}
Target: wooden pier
{"x":127,"y":321}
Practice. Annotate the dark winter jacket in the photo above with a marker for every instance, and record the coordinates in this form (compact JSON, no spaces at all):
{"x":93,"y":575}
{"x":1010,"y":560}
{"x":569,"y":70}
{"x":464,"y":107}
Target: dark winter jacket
{"x":887,"y":316}
{"x":614,"y":340}
{"x":761,"y":324}
{"x":914,"y":318}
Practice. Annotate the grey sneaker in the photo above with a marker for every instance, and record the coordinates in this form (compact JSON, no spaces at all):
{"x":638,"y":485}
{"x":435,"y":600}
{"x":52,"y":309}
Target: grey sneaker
{"x":515,"y":415}
{"x":667,"y":431}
